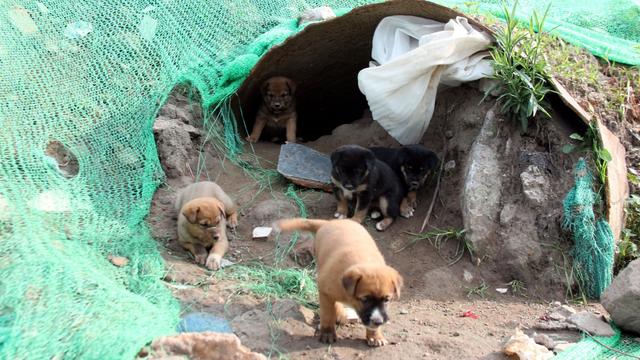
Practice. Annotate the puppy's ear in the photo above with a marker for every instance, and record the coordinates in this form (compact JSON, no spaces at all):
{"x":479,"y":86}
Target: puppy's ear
{"x":265,"y":87}
{"x":350,"y":280}
{"x":292,"y":86}
{"x":398,"y":283}
{"x":370,"y":160}
{"x":191,"y":213}
{"x":223,"y":215}
{"x":335,"y":156}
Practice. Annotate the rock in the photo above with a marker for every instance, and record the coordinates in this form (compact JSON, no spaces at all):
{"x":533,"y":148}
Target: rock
{"x":520,"y":243}
{"x":544,"y":340}
{"x":304,"y":253}
{"x":179,"y":109}
{"x":261,"y":232}
{"x":508,"y":213}
{"x":201,"y":346}
{"x":268,"y":211}
{"x":535,"y":185}
{"x":203,"y":322}
{"x":321,"y":13}
{"x":404,"y":311}
{"x":591,"y":324}
{"x":305,"y":166}
{"x":467,"y":276}
{"x":622,"y":298}
{"x":118,"y":261}
{"x":524,"y":348}
{"x":253,"y":329}
{"x":450,"y":165}
{"x":163,"y":123}
{"x":562,"y":347}
{"x":292,"y":318}
{"x":287,"y":308}
{"x":173,"y":143}
{"x":482,"y":188}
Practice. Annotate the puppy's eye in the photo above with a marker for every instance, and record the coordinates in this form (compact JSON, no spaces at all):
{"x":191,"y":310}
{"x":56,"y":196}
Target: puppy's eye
{"x":204,"y":225}
{"x":386,"y":299}
{"x":364,"y":299}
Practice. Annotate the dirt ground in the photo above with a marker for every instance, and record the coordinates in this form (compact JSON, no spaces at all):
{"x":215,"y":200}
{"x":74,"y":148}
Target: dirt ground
{"x":427,"y":322}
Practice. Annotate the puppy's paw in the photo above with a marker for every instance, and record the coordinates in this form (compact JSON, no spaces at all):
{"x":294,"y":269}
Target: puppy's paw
{"x":375,"y":215}
{"x":407,"y":212}
{"x":413,"y":203}
{"x":213,"y":262}
{"x":339,"y":215}
{"x":290,"y":142}
{"x":251,"y":139}
{"x":328,"y":335}
{"x":383,"y":224}
{"x":376,"y":341}
{"x":232,"y":222}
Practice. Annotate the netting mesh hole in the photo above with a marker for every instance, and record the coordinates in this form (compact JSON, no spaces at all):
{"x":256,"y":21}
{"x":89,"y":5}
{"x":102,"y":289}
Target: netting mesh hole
{"x":63,"y":160}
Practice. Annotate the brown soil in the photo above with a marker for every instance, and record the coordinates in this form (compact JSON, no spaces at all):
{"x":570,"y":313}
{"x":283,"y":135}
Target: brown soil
{"x":426,"y":322}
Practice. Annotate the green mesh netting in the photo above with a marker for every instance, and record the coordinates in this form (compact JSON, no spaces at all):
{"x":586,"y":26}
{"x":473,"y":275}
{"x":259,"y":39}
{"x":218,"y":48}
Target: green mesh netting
{"x":594,"y":245}
{"x":607,"y":28}
{"x":92,"y":75}
{"x":615,"y":347}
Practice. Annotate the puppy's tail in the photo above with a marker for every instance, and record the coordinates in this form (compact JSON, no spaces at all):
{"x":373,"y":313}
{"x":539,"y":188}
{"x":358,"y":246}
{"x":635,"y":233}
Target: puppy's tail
{"x":299,"y":224}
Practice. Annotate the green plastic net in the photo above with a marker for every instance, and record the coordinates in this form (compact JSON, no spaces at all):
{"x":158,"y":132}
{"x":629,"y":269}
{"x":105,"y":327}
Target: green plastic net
{"x":607,"y":28}
{"x":92,"y":75}
{"x":599,"y":347}
{"x":593,"y":240}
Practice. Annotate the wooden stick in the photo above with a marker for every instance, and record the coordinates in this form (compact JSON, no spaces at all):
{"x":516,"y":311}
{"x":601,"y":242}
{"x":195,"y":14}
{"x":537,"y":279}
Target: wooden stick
{"x":435,"y":193}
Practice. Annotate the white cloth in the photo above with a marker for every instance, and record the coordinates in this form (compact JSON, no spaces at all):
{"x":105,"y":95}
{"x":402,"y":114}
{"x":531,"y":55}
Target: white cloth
{"x":412,"y":56}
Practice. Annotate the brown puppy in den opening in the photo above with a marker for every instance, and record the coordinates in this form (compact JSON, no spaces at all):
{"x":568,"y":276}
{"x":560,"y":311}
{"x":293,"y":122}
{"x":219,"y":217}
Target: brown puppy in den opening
{"x":204,"y":212}
{"x":278,"y":109}
{"x":351,"y":271}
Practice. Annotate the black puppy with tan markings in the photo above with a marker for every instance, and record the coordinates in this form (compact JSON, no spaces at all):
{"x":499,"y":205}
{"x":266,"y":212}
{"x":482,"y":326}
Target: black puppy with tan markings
{"x":351,"y":271}
{"x":204,"y":212}
{"x":278,"y":109}
{"x":361,"y":180}
{"x":413,"y":164}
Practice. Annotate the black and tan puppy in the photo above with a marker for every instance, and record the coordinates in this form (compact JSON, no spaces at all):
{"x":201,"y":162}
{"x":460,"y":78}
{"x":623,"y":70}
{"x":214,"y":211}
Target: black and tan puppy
{"x":413,"y":164}
{"x":361,"y":180}
{"x":278,"y":109}
{"x":351,"y":271}
{"x":204,"y":211}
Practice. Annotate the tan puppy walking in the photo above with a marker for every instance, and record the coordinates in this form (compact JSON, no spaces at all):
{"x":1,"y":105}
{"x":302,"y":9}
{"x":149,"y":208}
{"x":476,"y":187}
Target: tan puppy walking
{"x":351,"y":271}
{"x":204,"y":212}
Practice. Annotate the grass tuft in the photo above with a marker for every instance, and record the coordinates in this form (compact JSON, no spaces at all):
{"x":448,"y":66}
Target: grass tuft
{"x":274,"y":283}
{"x":519,"y":66}
{"x":438,"y":238}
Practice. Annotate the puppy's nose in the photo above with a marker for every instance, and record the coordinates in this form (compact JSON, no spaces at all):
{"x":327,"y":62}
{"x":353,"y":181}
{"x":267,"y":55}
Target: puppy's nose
{"x":277,"y":105}
{"x":415,"y":183}
{"x":348,"y":186}
{"x":377,"y":321}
